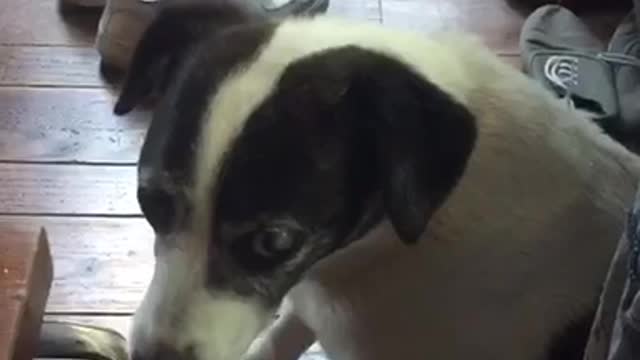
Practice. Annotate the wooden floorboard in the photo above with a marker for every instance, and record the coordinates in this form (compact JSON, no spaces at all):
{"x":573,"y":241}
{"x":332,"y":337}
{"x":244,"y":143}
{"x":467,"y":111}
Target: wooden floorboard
{"x":101,"y":266}
{"x":67,"y":125}
{"x":40,"y":22}
{"x":498,"y":23}
{"x":495,"y":21}
{"x":54,"y":66}
{"x":68,"y":190}
{"x":359,"y":10}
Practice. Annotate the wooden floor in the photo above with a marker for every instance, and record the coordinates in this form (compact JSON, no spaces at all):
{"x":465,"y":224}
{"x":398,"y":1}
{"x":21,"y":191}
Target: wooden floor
{"x":67,"y":163}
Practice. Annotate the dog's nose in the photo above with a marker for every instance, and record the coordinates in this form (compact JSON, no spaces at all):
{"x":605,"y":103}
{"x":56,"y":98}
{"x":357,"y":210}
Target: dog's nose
{"x":162,"y":351}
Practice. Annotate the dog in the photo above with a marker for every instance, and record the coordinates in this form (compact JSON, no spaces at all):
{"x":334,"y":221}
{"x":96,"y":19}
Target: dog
{"x":401,"y":196}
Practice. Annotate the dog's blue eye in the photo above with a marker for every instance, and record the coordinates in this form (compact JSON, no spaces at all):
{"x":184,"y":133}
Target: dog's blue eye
{"x":272,"y":242}
{"x":266,"y":248}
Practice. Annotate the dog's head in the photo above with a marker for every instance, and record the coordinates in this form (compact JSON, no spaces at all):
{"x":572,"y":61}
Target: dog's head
{"x":266,"y":154}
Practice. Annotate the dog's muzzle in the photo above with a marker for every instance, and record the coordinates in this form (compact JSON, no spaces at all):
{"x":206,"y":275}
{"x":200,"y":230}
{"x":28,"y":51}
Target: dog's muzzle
{"x":181,"y":318}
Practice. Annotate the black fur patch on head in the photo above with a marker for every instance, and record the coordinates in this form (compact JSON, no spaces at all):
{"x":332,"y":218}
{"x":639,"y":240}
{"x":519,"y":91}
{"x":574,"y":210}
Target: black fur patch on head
{"x":347,"y":136}
{"x":179,"y":116}
{"x":183,"y":56}
{"x":168,"y":41}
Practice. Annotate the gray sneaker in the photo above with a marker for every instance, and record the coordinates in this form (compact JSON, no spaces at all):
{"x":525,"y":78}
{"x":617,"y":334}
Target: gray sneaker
{"x":560,"y":52}
{"x":624,"y":53}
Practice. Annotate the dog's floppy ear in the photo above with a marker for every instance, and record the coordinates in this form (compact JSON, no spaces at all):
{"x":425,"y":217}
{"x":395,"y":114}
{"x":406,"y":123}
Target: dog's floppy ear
{"x":176,"y":27}
{"x":423,"y":137}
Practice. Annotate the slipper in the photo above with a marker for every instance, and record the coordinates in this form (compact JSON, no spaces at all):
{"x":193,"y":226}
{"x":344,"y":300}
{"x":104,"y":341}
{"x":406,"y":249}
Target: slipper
{"x":624,"y":56}
{"x":559,"y":51}
{"x":123,"y":22}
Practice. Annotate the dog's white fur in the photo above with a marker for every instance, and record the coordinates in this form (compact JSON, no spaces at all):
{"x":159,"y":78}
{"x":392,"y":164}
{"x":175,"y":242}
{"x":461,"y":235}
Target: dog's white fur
{"x":517,"y":251}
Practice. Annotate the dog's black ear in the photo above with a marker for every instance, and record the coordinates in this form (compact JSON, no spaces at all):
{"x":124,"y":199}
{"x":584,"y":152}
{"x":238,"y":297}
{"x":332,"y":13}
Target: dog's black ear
{"x":176,"y":27}
{"x":423,"y":138}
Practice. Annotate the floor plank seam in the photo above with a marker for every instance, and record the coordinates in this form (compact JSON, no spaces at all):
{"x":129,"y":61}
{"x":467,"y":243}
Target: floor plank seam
{"x":123,"y":314}
{"x":87,"y":163}
{"x":42,"y":45}
{"x":49,"y":86}
{"x":7,"y":214}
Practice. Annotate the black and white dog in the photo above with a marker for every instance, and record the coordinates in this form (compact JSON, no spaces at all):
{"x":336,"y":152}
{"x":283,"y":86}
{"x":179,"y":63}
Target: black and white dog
{"x":409,"y":197}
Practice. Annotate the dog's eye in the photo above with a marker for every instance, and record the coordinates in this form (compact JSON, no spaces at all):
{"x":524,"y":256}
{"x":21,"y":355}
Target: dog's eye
{"x":266,"y":248}
{"x":272,"y":243}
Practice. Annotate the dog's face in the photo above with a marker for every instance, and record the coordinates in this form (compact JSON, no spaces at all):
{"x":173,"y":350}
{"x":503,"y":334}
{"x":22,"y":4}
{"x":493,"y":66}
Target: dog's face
{"x":262,"y":159}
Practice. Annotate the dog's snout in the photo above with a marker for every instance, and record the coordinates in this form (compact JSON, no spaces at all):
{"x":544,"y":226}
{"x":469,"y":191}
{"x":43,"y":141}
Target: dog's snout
{"x":163,"y":351}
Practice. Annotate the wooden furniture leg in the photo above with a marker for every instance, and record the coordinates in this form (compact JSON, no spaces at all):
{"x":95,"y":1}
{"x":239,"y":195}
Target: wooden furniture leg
{"x":26,"y":274}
